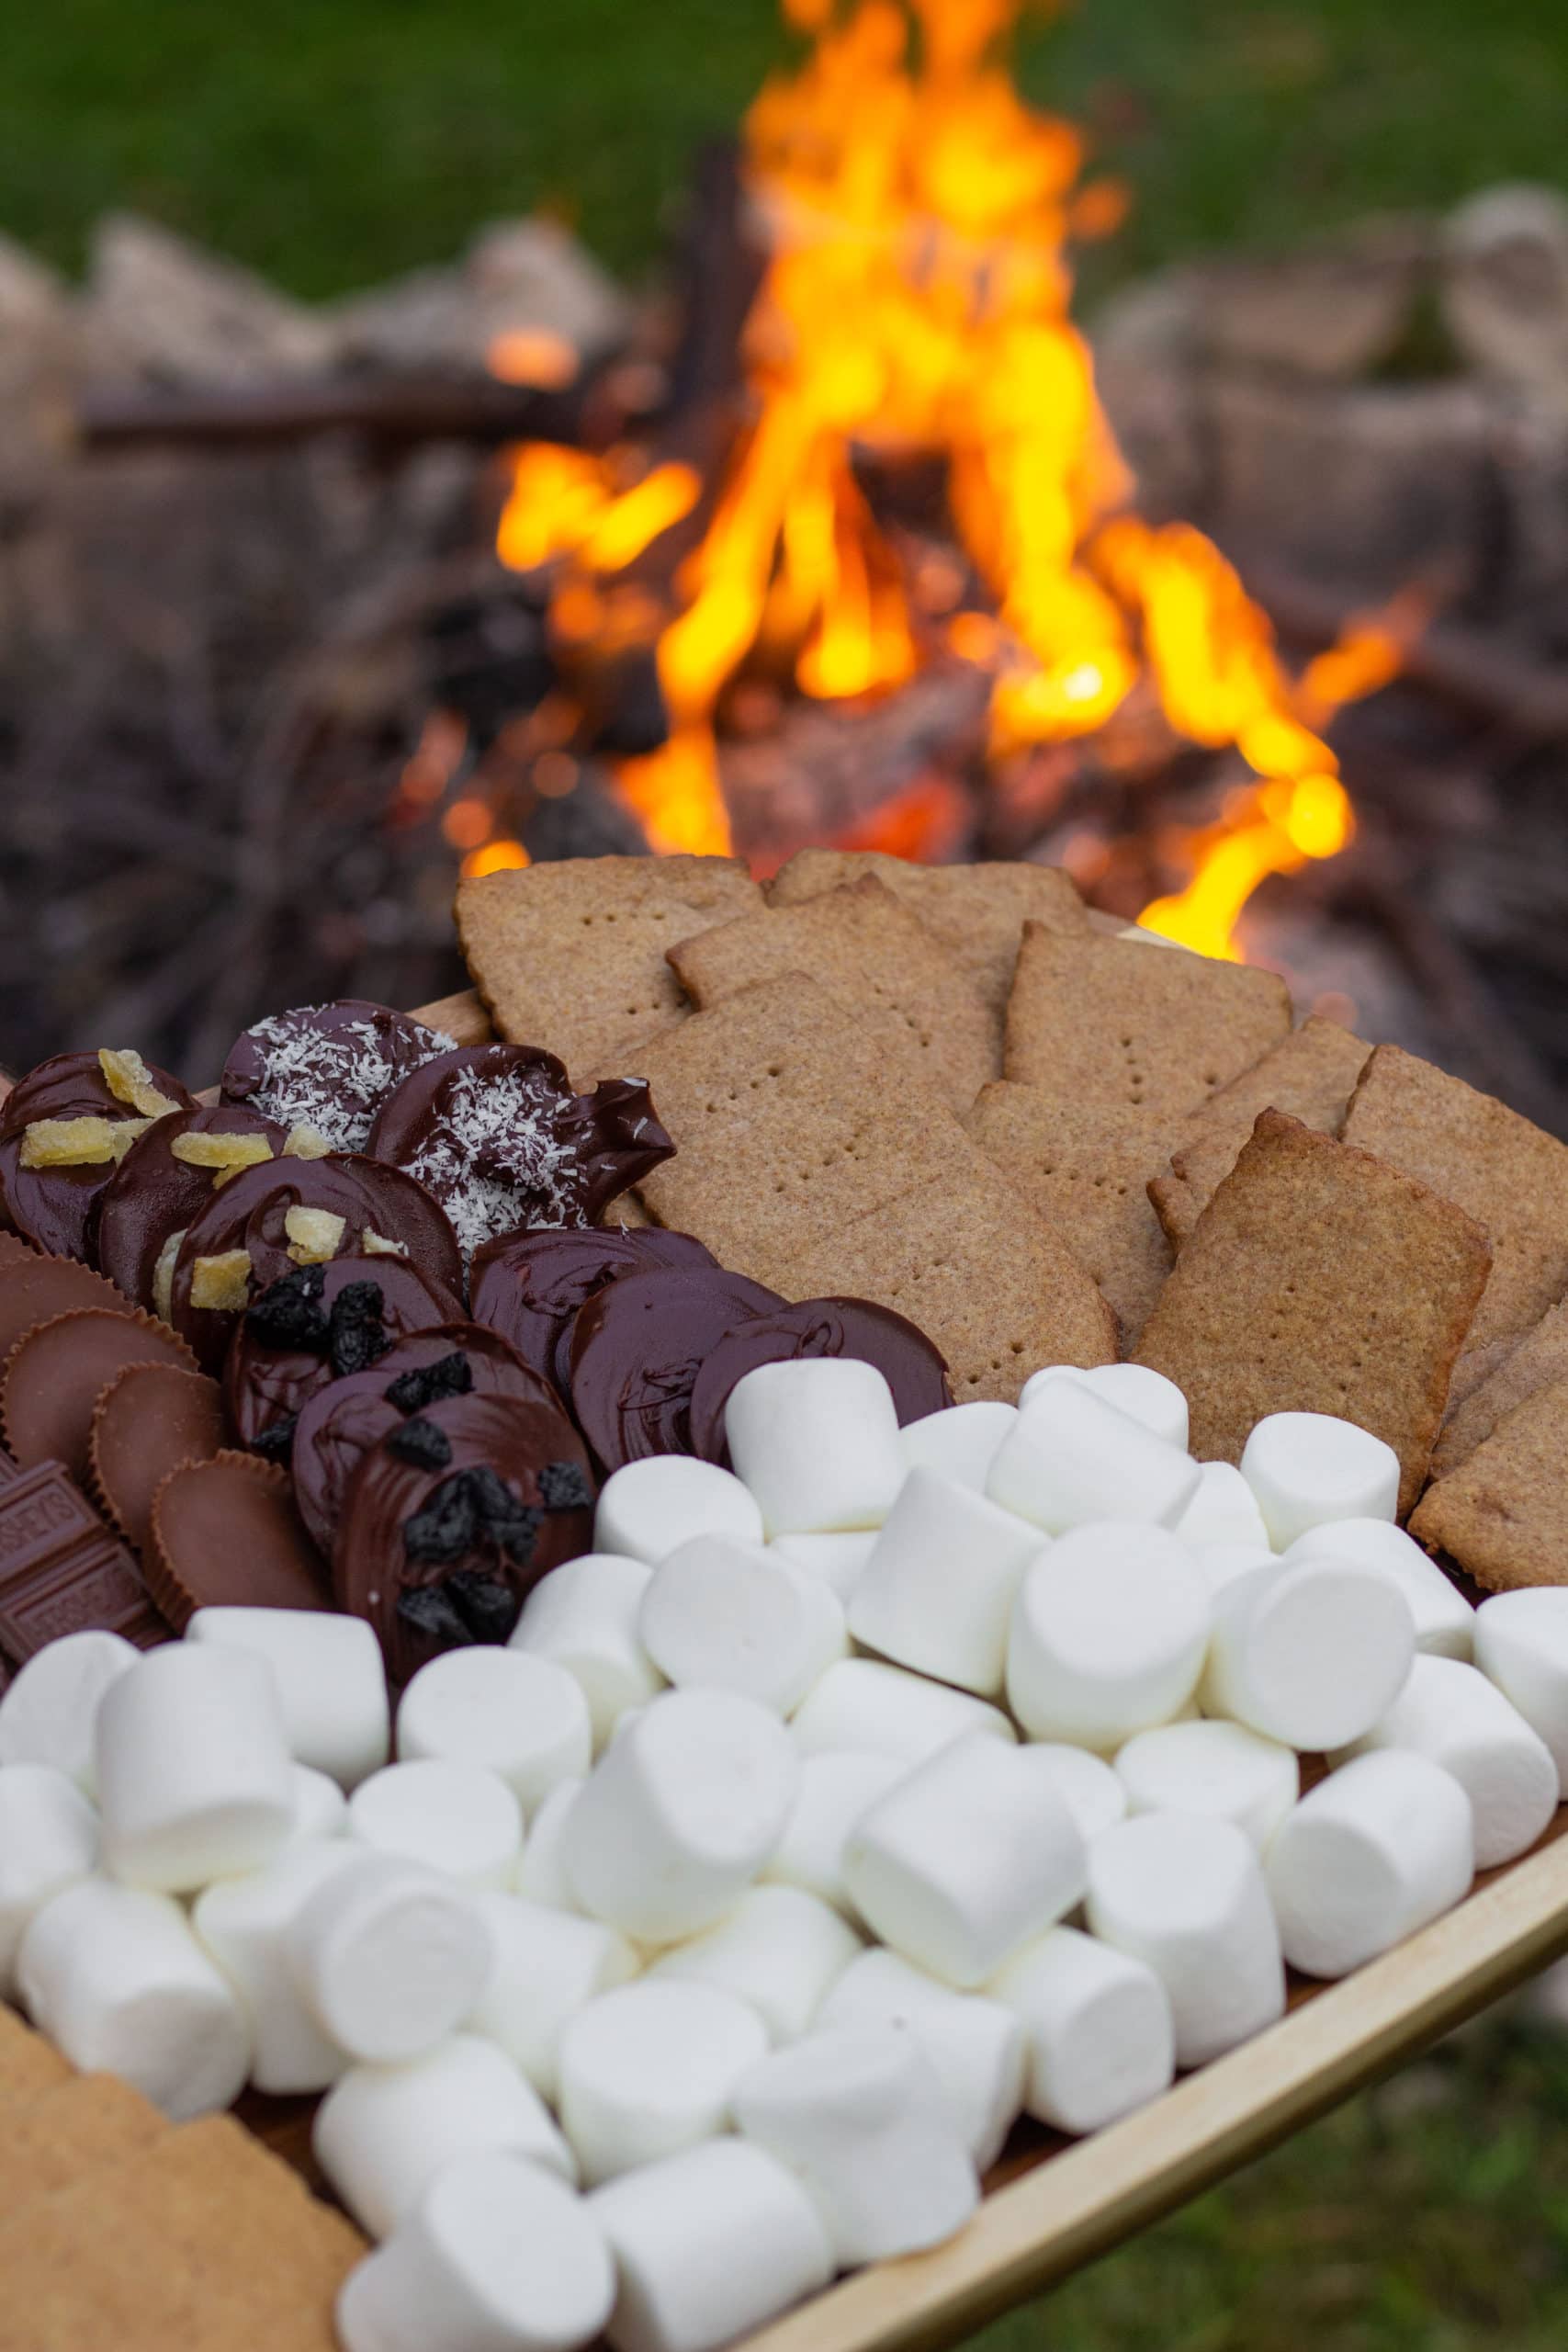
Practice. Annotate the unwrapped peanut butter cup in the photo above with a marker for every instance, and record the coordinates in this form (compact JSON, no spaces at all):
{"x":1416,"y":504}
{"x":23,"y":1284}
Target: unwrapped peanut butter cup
{"x":53,"y":1377}
{"x":224,"y":1534}
{"x":150,"y":1420}
{"x":34,"y":1288}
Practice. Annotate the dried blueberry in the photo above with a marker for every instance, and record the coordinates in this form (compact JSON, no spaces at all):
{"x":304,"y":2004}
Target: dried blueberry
{"x":450,"y":1375}
{"x":449,"y":1524}
{"x":488,"y":1608}
{"x":431,"y":1615}
{"x":421,"y":1442}
{"x":274,"y":1444}
{"x":357,"y":1327}
{"x":563,"y":1486}
{"x":290,"y":1314}
{"x":511,"y":1524}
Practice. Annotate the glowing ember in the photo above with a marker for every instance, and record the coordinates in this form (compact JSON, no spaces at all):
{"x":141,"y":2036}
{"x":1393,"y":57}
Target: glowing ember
{"x":917,"y":302}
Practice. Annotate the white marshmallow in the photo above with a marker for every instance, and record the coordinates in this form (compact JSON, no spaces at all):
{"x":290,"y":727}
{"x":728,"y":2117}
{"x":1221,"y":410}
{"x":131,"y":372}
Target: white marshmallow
{"x":1097,"y":2028}
{"x":584,"y":1615}
{"x":115,"y":1979}
{"x":49,"y":1840}
{"x":496,"y":2256}
{"x":1075,"y":1460}
{"x":331,"y":1679}
{"x":726,"y":1616}
{"x":524,"y":1718}
{"x":49,"y":1713}
{"x":649,"y":2069}
{"x":1222,"y":1511}
{"x":1109,"y":1633}
{"x":839,"y":1560}
{"x":195,"y":1780}
{"x":388,"y":1958}
{"x":1445,"y":1621}
{"x":817,"y":1442}
{"x":1311,"y":1654}
{"x":243,"y":1924}
{"x":683,"y":1810}
{"x":835,"y":1790}
{"x":974,"y":2045}
{"x":1377,"y":1849}
{"x":864,"y":1706}
{"x":960,"y":1443}
{"x":938,"y":1590}
{"x":1187,"y":1898}
{"x":457,"y":1818}
{"x":540,"y":1875}
{"x":708,"y":2245}
{"x":383,"y":2132}
{"x":1452,"y":1714}
{"x":1143,"y":1395}
{"x":1521,"y":1645}
{"x":1085,"y":1783}
{"x":321,"y":1809}
{"x":1308,"y":1469}
{"x":781,"y":1950}
{"x":966,"y":1858}
{"x":547,"y":1965}
{"x":1220,"y":1563}
{"x":647,"y":1509}
{"x":1217,"y":1768}
{"x":860,"y":2118}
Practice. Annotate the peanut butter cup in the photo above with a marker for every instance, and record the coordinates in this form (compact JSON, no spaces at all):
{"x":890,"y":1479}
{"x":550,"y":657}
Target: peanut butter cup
{"x":33,"y":1289}
{"x":224,"y":1534}
{"x":150,"y":1420}
{"x":52,"y":1378}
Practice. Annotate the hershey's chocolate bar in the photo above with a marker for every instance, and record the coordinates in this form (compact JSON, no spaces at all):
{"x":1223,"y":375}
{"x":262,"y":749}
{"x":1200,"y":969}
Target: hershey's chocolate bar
{"x":61,"y":1571}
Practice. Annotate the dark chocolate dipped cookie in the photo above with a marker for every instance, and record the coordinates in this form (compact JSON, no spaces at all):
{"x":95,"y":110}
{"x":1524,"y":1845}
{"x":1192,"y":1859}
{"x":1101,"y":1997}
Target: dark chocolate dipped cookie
{"x":638,"y":1346}
{"x":528,"y":1287}
{"x":327,"y":1066}
{"x":818,"y":1327}
{"x":53,"y":1205}
{"x":314,"y":1325}
{"x":155,"y":1194}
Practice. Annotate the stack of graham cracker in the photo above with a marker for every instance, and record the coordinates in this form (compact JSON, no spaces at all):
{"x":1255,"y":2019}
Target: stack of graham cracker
{"x":117,"y":2228}
{"x":949,"y":1089}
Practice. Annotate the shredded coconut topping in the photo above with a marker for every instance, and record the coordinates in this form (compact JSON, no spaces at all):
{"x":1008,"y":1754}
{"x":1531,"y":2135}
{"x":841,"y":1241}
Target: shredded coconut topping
{"x":331,"y":1081}
{"x":494,"y":1157}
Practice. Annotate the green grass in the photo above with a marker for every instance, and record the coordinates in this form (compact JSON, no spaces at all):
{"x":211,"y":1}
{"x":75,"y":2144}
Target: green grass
{"x":334,"y":141}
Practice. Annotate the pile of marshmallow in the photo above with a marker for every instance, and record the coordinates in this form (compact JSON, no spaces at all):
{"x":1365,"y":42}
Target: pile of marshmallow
{"x":707,"y":1940}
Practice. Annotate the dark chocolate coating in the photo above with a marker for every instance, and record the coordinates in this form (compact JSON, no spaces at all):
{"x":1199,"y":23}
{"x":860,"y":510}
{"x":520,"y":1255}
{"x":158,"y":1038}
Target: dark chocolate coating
{"x":249,"y":1213}
{"x":913,"y":1369}
{"x":638,"y":1346}
{"x":152,"y":1194}
{"x":53,"y":1207}
{"x":355,"y":1053}
{"x":503,"y":1142}
{"x":343,"y":1418}
{"x":528,"y":1287}
{"x":400,"y":1585}
{"x":264,"y":1384}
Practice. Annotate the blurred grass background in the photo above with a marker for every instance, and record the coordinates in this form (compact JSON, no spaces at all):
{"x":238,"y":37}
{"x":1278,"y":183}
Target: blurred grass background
{"x":333,"y":142}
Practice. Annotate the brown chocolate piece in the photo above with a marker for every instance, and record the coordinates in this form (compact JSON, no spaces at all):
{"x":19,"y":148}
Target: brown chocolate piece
{"x":53,"y":1207}
{"x":266,"y":1383}
{"x":249,"y":1214}
{"x":151,"y":1194}
{"x":52,"y":1378}
{"x":341,"y":1421}
{"x":61,"y":1571}
{"x":225,"y":1533}
{"x":638,"y":1346}
{"x":497,"y":1135}
{"x":912,"y":1367}
{"x":150,"y":1420}
{"x":452,"y":1519}
{"x":529,"y":1286}
{"x":33,"y":1289}
{"x":329,"y":1067}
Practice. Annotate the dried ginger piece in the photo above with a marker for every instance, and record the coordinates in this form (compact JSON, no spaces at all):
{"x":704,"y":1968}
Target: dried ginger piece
{"x":220,"y":1151}
{"x":305,"y":1142}
{"x":376,"y":1245}
{"x":129,"y":1079}
{"x":223,"y":1283}
{"x":314,"y":1235}
{"x":68,"y":1143}
{"x":163,"y":1276}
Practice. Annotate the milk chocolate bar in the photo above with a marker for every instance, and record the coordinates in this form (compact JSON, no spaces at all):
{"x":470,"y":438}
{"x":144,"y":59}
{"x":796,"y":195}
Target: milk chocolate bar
{"x":61,"y":1571}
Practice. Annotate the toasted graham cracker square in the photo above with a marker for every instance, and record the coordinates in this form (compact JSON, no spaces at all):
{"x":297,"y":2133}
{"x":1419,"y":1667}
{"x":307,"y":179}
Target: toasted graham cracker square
{"x":1310,"y":1076}
{"x":570,"y":955}
{"x":1318,"y":1280}
{"x":1503,"y":1514}
{"x":1097,"y":1020}
{"x":789,"y":1121}
{"x":879,"y":961}
{"x":978,"y":911}
{"x":1540,"y":1359}
{"x":81,"y":2125}
{"x":1086,"y":1168}
{"x":27,"y":2063}
{"x":985,"y":1277}
{"x":1508,"y":1175}
{"x":201,"y":2241}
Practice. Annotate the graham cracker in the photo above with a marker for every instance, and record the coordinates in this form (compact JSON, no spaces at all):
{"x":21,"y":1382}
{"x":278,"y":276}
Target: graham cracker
{"x":201,"y":2241}
{"x":978,"y":911}
{"x":1086,"y":1168}
{"x":28,"y":2064}
{"x":1310,"y":1076}
{"x":1503,"y":1514}
{"x":1540,"y":1359}
{"x":570,"y":955}
{"x":1511,"y":1177}
{"x":980,"y":1271}
{"x":1098,"y":1020}
{"x":877,"y":959}
{"x":84,"y":2123}
{"x":789,"y":1121}
{"x":1319,"y":1280}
